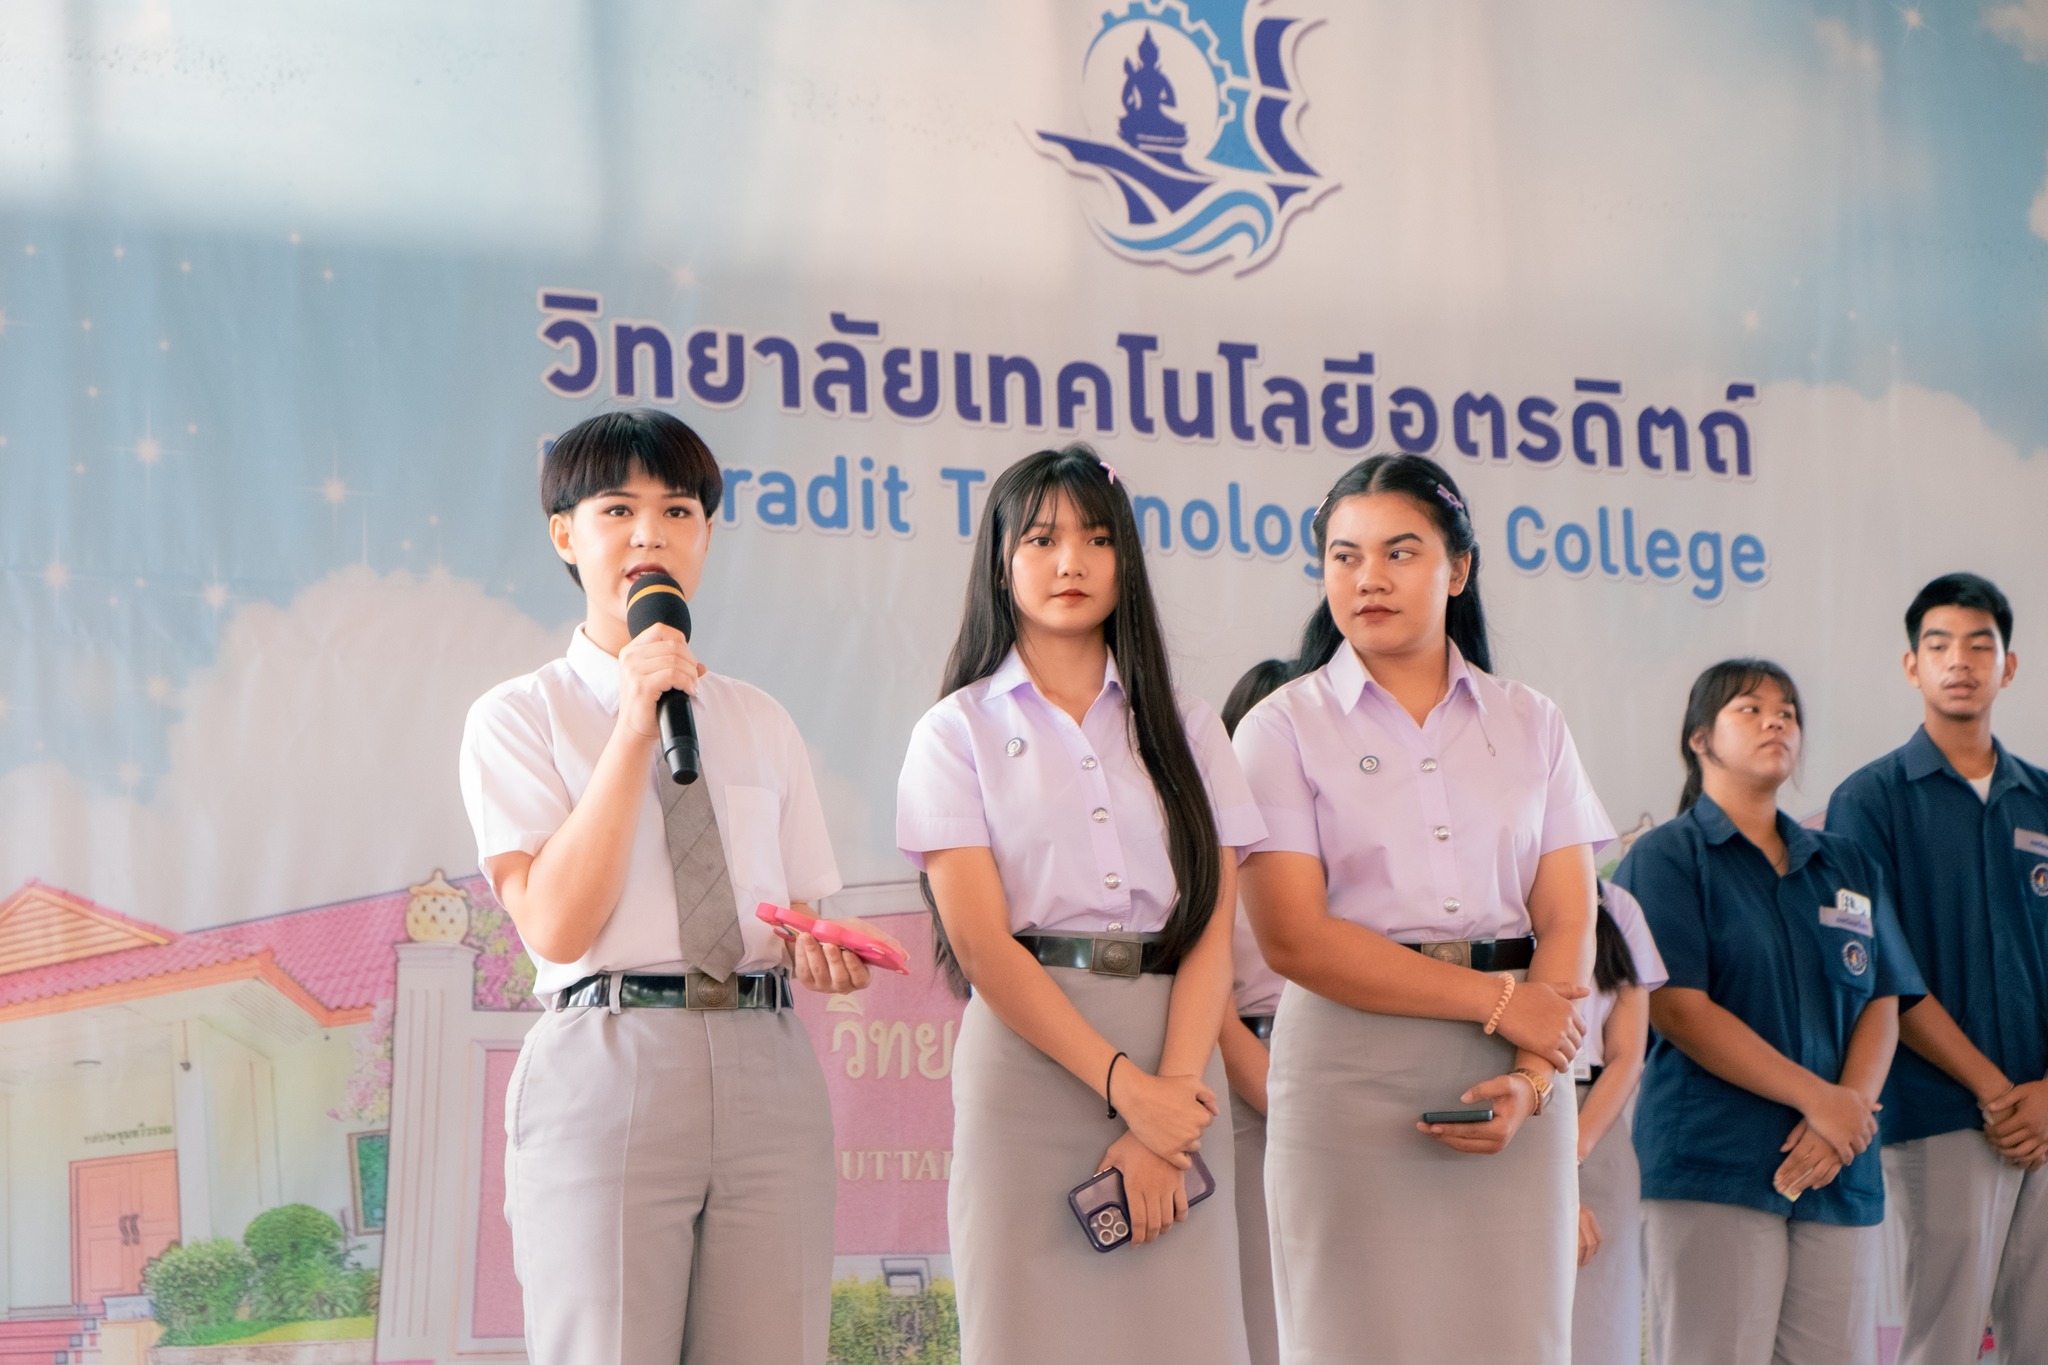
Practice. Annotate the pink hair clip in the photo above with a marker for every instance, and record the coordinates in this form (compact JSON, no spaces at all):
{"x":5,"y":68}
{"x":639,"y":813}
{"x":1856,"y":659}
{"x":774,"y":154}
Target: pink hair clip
{"x":1108,"y":469}
{"x":1448,"y":496}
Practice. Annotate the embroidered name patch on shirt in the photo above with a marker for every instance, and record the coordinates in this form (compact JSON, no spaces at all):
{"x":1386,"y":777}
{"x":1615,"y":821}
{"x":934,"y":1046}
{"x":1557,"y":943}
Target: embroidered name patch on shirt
{"x":2026,"y":841}
{"x":1850,"y":911}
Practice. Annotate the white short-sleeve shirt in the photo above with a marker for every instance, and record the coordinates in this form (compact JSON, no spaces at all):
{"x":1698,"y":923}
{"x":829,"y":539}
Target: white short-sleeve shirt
{"x":1068,"y":811}
{"x":1635,"y":931}
{"x":528,"y":750}
{"x":1427,"y":833}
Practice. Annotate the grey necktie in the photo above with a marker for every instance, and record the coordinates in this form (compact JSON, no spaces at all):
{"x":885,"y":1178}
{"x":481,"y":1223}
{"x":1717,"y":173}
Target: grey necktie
{"x":705,"y":909}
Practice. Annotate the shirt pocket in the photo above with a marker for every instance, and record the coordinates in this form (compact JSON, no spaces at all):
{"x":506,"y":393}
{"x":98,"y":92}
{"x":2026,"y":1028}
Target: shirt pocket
{"x":1851,"y":960}
{"x":752,"y":826}
{"x":2033,"y":875}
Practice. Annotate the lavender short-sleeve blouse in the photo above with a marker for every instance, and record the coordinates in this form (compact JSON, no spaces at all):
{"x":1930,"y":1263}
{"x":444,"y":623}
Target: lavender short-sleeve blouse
{"x":1068,"y":811}
{"x":1427,"y":832}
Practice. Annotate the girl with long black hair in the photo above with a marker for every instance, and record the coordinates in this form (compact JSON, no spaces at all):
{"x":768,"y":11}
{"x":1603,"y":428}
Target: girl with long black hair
{"x":1426,"y":887}
{"x":1076,"y":821}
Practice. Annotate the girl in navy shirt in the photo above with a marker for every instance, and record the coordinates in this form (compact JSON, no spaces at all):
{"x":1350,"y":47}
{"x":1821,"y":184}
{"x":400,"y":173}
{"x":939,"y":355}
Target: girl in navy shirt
{"x":1757,"y":1127}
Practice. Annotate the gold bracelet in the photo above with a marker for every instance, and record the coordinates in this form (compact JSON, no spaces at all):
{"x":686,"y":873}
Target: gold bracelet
{"x":1507,"y":993}
{"x":1537,"y":1084}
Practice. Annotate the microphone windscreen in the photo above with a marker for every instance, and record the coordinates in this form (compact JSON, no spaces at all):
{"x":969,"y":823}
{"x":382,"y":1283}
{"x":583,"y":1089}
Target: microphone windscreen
{"x":657,"y":599}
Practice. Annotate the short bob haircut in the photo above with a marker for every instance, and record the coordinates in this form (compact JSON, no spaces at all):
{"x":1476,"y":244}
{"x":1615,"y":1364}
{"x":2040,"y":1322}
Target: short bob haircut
{"x":601,"y":453}
{"x":1973,"y":591}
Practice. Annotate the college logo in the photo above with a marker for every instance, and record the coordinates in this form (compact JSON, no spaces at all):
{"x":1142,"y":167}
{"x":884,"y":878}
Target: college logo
{"x":1855,"y":957}
{"x":1192,"y":107}
{"x":2040,"y":879}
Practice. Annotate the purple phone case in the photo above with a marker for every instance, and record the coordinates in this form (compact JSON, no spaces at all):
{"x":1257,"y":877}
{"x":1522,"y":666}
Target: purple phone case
{"x":1099,"y":1207}
{"x":1104,"y":1213}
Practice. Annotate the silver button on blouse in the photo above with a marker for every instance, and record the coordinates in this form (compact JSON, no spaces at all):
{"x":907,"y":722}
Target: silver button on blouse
{"x":1429,"y":765}
{"x":1088,"y":762}
{"x":1450,"y":905}
{"x":1112,"y":881}
{"x":1098,"y":815}
{"x":1442,"y":832}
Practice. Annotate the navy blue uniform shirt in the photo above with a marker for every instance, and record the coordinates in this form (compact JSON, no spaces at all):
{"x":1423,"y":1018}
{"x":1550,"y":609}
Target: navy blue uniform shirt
{"x":1971,"y":878}
{"x":1797,"y":958}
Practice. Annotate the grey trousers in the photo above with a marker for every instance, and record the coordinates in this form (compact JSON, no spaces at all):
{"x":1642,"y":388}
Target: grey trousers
{"x":669,"y":1182}
{"x":1607,"y":1305}
{"x":1738,"y":1286}
{"x":1254,"y":1247}
{"x":1976,"y":1249}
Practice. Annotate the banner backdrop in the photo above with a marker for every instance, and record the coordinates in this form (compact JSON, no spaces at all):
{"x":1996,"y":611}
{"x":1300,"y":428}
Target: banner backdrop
{"x":1731,"y":321}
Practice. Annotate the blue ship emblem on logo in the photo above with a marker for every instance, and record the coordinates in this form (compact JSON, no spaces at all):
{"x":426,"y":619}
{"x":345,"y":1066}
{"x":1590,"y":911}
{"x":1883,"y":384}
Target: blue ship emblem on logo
{"x":1194,"y":106}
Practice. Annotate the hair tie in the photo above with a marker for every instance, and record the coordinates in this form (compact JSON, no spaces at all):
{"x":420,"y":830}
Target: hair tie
{"x":1108,"y":469}
{"x":1448,"y":496}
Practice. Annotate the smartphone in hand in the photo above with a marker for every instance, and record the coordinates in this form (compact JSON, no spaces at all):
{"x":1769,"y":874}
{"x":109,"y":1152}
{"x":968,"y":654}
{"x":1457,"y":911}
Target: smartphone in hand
{"x":866,"y":947}
{"x":1100,"y":1207}
{"x":1104,"y":1213}
{"x":1483,"y":1114}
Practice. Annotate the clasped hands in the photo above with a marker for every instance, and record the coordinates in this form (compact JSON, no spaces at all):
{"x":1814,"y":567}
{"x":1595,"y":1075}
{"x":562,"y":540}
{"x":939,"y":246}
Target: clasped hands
{"x":1164,"y":1118}
{"x":2016,"y":1124}
{"x":1541,"y":1019}
{"x":1838,"y":1124}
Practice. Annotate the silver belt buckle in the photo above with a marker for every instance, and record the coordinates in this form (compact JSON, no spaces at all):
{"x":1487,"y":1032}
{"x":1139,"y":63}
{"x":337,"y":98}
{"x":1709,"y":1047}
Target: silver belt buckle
{"x":701,"y":992}
{"x":1457,"y":954}
{"x":1116,"y":957}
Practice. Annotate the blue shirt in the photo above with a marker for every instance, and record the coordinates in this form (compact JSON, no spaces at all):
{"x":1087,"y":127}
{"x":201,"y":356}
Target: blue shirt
{"x":1793,"y":957}
{"x":1971,"y":876}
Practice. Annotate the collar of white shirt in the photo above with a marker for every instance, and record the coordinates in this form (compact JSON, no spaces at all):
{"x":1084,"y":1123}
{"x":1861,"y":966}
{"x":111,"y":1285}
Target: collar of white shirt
{"x":598,"y":670}
{"x":1349,"y":678}
{"x":1012,"y":674}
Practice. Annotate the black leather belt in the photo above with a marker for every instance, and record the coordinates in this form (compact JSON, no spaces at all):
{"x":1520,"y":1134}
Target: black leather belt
{"x":1482,"y":955}
{"x":1592,"y":1075}
{"x":1261,"y":1025}
{"x":1104,"y":955}
{"x":693,"y":991}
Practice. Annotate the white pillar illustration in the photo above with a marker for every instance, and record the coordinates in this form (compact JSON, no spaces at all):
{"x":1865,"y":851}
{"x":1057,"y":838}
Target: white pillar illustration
{"x":420,"y":1283}
{"x":192,"y":1120}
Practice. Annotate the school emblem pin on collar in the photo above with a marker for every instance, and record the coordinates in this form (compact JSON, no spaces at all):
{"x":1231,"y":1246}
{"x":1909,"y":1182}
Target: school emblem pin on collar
{"x":1014,"y":747}
{"x":2040,"y":879}
{"x":1856,"y":957}
{"x":1369,"y":764}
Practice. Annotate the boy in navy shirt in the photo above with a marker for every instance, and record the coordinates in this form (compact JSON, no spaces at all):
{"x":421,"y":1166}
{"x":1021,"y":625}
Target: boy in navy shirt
{"x":1960,"y":827}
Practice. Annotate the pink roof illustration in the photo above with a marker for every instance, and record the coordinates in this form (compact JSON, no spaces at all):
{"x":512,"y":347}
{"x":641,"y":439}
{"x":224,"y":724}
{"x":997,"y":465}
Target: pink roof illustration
{"x":60,"y":951}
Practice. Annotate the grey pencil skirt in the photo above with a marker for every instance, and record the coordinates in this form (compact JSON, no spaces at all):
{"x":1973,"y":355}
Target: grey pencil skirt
{"x":1031,"y":1289}
{"x":1388,"y":1246}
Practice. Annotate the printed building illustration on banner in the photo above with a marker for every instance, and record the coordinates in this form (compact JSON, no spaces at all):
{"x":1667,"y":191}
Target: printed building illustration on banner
{"x":161,"y":1090}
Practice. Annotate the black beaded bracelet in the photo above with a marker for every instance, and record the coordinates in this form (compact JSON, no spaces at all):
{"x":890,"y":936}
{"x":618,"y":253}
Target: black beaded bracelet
{"x":1107,"y":1102}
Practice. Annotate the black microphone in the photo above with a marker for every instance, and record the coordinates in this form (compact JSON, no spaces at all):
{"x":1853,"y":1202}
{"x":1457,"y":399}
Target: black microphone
{"x":657,"y":599}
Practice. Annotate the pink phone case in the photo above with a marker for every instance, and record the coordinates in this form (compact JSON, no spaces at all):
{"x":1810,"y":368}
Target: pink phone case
{"x":866,"y":947}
